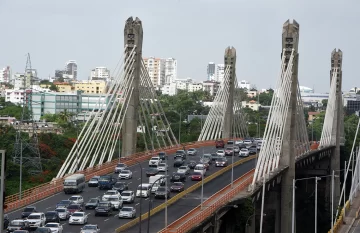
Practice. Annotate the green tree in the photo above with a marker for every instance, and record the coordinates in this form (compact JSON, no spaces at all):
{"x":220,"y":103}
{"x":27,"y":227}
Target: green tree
{"x":324,"y":103}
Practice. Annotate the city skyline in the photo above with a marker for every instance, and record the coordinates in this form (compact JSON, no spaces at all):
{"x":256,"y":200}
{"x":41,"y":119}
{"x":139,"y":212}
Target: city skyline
{"x":258,"y":60}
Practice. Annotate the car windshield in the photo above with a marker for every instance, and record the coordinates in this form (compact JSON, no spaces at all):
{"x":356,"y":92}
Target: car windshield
{"x":179,"y":152}
{"x":162,"y":164}
{"x":229,"y":148}
{"x":104,"y":179}
{"x":191,"y":149}
{"x":155,"y":158}
{"x":94,"y":179}
{"x":126,"y":209}
{"x":29,"y":209}
{"x":197,"y":173}
{"x":119,"y":185}
{"x":125,"y":194}
{"x":52,"y":225}
{"x":103,"y":204}
{"x":244,"y":149}
{"x":113,"y":199}
{"x":110,"y":193}
{"x":178,"y":160}
{"x":125,"y":172}
{"x":69,"y":183}
{"x":64,"y":202}
{"x":50,"y":214}
{"x":120,"y":165}
{"x":161,"y":189}
{"x":144,"y":188}
{"x":72,"y":207}
{"x":177,"y":174}
{"x":178,"y":184}
{"x":161,"y":153}
{"x":77,"y":215}
{"x":152,"y":170}
{"x":34,"y":217}
{"x":73,"y":198}
{"x":93,"y":200}
{"x":220,"y":151}
{"x":183,"y":167}
{"x":42,"y":230}
{"x":17,"y":223}
{"x":89,"y":227}
{"x":60,"y":210}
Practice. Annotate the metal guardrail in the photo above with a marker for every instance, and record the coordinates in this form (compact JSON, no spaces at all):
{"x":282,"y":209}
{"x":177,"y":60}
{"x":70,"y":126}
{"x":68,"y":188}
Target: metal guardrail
{"x":45,"y":190}
{"x":181,"y":195}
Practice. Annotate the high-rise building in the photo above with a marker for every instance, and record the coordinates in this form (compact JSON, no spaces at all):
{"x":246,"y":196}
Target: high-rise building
{"x":211,"y":71}
{"x":5,"y":75}
{"x":156,"y":70}
{"x":220,"y":72}
{"x":170,"y":70}
{"x":244,"y":84}
{"x":71,"y":69}
{"x":100,"y":73}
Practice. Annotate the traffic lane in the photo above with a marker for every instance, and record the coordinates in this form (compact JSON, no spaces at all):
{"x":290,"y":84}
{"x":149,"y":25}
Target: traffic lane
{"x":113,"y":223}
{"x":190,"y":201}
{"x":356,"y":227}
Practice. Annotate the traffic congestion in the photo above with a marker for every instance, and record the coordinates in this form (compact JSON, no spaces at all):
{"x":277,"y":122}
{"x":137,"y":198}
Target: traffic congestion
{"x":106,"y":202}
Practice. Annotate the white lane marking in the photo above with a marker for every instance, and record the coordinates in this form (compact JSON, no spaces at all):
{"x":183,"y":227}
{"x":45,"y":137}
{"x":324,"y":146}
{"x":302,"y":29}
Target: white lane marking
{"x":116,"y":215}
{"x":48,"y":208}
{"x":146,"y":199}
{"x":355,"y":226}
{"x":139,"y":178}
{"x":63,"y":224}
{"x":106,"y":220}
{"x":137,"y":203}
{"x":129,"y":182}
{"x":134,"y":171}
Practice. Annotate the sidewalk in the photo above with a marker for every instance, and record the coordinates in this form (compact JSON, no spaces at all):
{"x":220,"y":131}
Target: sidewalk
{"x":350,"y":216}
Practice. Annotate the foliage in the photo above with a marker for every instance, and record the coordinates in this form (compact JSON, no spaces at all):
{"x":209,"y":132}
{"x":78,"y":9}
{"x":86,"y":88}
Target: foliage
{"x":324,"y":103}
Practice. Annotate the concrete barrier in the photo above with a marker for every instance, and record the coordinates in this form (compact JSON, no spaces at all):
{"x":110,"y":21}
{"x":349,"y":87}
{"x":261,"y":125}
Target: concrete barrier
{"x":340,"y":219}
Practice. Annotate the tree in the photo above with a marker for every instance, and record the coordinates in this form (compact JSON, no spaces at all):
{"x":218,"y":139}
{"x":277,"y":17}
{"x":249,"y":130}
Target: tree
{"x":324,"y":103}
{"x":53,"y":87}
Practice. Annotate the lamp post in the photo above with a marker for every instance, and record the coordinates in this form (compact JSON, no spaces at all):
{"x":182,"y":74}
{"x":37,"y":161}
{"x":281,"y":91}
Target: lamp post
{"x":247,"y":221}
{"x":166,"y":187}
{"x":202,"y":191}
{"x":77,"y":145}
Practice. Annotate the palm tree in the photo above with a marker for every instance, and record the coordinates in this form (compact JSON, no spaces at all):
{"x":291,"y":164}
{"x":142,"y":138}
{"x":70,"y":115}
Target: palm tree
{"x":66,"y":115}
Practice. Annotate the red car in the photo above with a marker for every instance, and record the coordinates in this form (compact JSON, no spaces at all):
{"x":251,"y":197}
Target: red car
{"x":220,"y":143}
{"x":74,"y":208}
{"x":196,"y":176}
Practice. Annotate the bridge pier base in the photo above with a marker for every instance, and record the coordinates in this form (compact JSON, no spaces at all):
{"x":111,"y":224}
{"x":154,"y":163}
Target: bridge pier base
{"x":274,"y":208}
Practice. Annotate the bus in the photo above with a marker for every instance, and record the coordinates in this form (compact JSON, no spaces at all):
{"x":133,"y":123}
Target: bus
{"x":74,"y":183}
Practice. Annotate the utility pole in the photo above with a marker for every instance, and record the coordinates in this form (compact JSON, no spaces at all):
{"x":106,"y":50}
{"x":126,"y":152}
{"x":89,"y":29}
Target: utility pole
{"x":2,"y":189}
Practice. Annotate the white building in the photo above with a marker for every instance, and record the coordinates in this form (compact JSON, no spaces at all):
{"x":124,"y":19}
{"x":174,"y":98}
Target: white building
{"x":244,"y":84}
{"x":156,"y":69}
{"x":211,"y":71}
{"x":15,"y":96}
{"x":169,"y":89}
{"x":220,"y":72}
{"x":306,"y":89}
{"x":71,"y":69}
{"x":211,"y":87}
{"x":5,"y":75}
{"x":19,"y":81}
{"x":100,"y":73}
{"x":192,"y":87}
{"x":170,"y":70}
{"x":252,"y":104}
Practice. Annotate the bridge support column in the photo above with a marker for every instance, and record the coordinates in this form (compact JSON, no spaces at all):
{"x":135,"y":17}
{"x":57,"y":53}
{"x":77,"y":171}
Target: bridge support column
{"x":133,"y":37}
{"x":274,"y":207}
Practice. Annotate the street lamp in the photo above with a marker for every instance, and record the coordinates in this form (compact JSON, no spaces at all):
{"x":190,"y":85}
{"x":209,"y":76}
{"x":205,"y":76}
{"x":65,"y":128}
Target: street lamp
{"x":247,"y":221}
{"x":77,"y":144}
{"x":179,"y":113}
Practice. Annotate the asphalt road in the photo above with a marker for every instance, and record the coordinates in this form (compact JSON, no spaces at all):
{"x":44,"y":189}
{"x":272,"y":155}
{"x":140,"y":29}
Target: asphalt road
{"x":190,"y":201}
{"x":108,"y":224}
{"x":356,"y":227}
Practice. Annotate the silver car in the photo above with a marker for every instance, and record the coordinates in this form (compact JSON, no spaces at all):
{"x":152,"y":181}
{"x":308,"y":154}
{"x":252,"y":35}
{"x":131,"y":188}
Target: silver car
{"x":90,"y":228}
{"x":128,"y":196}
{"x":236,"y":149}
{"x":63,"y":213}
{"x":192,"y":151}
{"x":77,"y":199}
{"x":127,"y":212}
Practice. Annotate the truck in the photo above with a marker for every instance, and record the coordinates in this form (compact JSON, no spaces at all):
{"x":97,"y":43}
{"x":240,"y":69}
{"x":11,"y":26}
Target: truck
{"x":106,"y":182}
{"x":74,"y":183}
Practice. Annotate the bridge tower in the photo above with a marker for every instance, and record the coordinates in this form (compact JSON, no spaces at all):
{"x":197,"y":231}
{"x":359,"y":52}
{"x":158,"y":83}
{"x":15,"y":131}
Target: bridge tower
{"x":133,"y":38}
{"x":230,"y":62}
{"x":290,"y":43}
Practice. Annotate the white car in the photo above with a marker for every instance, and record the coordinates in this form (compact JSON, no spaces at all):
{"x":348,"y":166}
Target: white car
{"x":109,"y":193}
{"x":116,"y":202}
{"x":36,"y":220}
{"x":125,"y":174}
{"x":55,"y":227}
{"x":184,"y":170}
{"x":248,"y":143}
{"x":220,"y":153}
{"x":90,"y":228}
{"x":127,"y":212}
{"x":63,"y":213}
{"x":154,"y":161}
{"x":119,"y":167}
{"x":77,"y":199}
{"x":244,"y":152}
{"x":78,"y":218}
{"x":162,"y":167}
{"x":128,"y":196}
{"x":191,"y":151}
{"x":238,"y":142}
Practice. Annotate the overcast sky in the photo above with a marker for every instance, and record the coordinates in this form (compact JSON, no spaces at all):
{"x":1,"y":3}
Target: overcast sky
{"x":194,"y":32}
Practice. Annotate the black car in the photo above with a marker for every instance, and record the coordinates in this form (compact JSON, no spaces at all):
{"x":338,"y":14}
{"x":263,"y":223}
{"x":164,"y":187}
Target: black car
{"x":151,"y":171}
{"x":103,"y":208}
{"x":252,"y":150}
{"x":52,"y":216}
{"x":27,"y":211}
{"x":178,"y":177}
{"x":21,"y":231}
{"x":192,"y":164}
{"x":178,"y":162}
{"x":6,"y":221}
{"x":162,"y":155}
{"x":162,"y":192}
{"x":17,"y":225}
{"x":177,"y":187}
{"x":180,"y":154}
{"x":42,"y":230}
{"x":92,"y":203}
{"x":241,"y":145}
{"x":120,"y":186}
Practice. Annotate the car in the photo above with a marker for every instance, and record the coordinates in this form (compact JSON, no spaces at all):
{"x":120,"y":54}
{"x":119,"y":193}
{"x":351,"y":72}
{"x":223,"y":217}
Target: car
{"x":257,"y":140}
{"x":259,"y":144}
{"x":125,"y":174}
{"x":92,"y":203}
{"x":151,"y":171}
{"x":55,"y":227}
{"x":229,"y":151}
{"x":154,"y":161}
{"x":119,"y":167}
{"x":196,"y":176}
{"x":116,"y":202}
{"x":94,"y":181}
{"x":21,"y":231}
{"x":18,"y":224}
{"x":27,"y":211}
{"x":127,"y":212}
{"x":201,"y":168}
{"x":74,"y":208}
{"x":162,"y":155}
{"x":120,"y":187}
{"x":180,"y":154}
{"x":162,"y":192}
{"x":244,"y":152}
{"x":252,"y":150}
{"x":77,"y":199}
{"x":63,"y":213}
{"x":215,"y":156}
{"x":219,"y":143}
{"x":128,"y":196}
{"x":238,"y":142}
{"x":247,"y":142}
{"x":230,"y":142}
{"x":64,"y":204}
{"x":191,"y":164}
{"x":163,"y":167}
{"x":192,"y":151}
{"x":36,"y":220}
{"x":242,"y":145}
{"x":104,"y":208}
{"x":52,"y":216}
{"x":6,"y":221}
{"x":177,"y":177}
{"x":177,"y":187}
{"x":206,"y":165}
{"x":90,"y":228}
{"x":221,"y":162}
{"x":106,"y":182}
{"x":78,"y":218}
{"x":208,"y":157}
{"x":42,"y":230}
{"x":178,"y":162}
{"x":236,"y":149}
{"x":183,"y":169}
{"x":205,"y":160}
{"x":220,"y":153}
{"x":109,"y":193}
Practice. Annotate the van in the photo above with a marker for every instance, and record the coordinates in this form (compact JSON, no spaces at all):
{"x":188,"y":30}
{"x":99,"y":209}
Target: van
{"x":200,"y":168}
{"x":74,"y":183}
{"x":143,"y":190}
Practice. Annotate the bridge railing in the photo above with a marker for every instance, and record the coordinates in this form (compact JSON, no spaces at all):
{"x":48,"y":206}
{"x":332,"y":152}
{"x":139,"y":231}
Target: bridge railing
{"x":42,"y":191}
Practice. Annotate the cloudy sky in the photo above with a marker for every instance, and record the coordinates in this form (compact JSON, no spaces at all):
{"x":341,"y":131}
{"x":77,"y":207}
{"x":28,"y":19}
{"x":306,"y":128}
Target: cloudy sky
{"x":194,"y":32}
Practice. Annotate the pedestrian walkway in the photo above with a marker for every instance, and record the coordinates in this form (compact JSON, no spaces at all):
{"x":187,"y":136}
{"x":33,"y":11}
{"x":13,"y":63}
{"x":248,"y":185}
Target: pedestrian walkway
{"x":351,"y":215}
